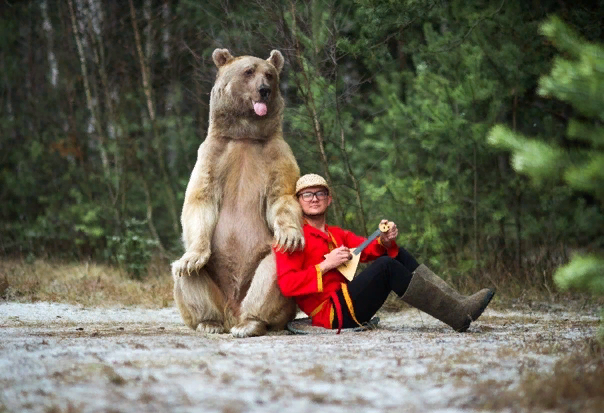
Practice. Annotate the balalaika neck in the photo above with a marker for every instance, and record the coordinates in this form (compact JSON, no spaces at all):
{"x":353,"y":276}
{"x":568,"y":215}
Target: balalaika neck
{"x":364,"y":245}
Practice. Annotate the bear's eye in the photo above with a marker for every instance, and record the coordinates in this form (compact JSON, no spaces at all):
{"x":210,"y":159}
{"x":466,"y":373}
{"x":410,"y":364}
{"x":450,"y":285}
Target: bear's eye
{"x":269,"y":76}
{"x":249,"y":72}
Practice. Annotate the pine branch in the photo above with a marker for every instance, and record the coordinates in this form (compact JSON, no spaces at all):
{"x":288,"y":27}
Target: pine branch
{"x":457,"y":43}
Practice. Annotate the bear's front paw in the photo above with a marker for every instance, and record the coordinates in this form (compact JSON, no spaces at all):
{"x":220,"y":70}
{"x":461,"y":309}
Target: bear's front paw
{"x":211,"y":327}
{"x":249,"y":328}
{"x":289,"y":238}
{"x":190,"y":262}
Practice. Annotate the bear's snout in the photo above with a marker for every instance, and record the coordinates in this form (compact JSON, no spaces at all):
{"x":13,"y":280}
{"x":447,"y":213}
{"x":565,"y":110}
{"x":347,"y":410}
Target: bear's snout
{"x":265,"y":92}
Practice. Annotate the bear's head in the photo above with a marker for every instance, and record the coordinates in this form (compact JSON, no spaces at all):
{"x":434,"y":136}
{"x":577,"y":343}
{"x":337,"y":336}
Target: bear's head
{"x":245,"y":101}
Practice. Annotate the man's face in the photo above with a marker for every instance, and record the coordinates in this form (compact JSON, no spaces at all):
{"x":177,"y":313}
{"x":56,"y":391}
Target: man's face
{"x":310,"y":202}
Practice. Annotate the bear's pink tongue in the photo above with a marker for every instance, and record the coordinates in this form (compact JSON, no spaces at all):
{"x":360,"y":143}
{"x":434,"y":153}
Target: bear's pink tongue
{"x":260,"y":108}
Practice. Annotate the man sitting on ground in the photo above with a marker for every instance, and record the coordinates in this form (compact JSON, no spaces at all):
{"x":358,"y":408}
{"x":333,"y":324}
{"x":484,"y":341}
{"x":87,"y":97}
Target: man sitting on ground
{"x":324,"y":294}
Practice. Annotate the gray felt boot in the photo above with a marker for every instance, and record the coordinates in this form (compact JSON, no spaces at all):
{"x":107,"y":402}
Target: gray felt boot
{"x":431,"y":294}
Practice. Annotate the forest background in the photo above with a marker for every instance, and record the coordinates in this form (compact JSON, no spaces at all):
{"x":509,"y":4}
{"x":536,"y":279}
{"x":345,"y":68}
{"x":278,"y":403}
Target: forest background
{"x":104,"y":104}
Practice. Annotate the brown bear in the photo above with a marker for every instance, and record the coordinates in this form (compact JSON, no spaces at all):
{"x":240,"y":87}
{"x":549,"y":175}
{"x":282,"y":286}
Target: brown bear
{"x":239,"y":202}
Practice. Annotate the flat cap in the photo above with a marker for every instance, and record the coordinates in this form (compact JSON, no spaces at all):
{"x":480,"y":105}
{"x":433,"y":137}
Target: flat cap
{"x":309,"y":180}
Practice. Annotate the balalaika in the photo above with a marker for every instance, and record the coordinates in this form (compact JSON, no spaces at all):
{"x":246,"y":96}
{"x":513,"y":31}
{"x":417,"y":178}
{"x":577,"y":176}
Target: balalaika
{"x":349,"y":268}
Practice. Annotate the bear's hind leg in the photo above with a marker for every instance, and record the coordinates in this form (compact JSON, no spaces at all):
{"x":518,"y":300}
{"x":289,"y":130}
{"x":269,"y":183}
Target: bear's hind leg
{"x":264,"y":306}
{"x":200,"y":301}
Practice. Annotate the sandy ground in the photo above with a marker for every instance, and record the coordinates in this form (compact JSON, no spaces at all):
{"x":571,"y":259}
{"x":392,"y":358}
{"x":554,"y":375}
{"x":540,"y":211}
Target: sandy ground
{"x":64,"y":358}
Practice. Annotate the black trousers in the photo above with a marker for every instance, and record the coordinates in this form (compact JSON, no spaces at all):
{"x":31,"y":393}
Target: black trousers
{"x":368,"y":290}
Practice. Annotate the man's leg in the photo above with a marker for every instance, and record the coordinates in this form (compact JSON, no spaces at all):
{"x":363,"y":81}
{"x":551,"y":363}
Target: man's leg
{"x":408,"y":260}
{"x":431,"y":294}
{"x":368,"y":290}
{"x":417,"y":285}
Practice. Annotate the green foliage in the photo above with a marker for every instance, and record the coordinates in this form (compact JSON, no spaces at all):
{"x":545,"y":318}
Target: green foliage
{"x":577,"y":78}
{"x":401,"y":93}
{"x":134,"y":249}
{"x":583,"y":272}
{"x":532,"y":157}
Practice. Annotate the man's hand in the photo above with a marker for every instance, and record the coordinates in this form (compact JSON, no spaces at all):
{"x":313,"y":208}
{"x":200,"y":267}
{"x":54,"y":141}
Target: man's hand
{"x":335,"y":258}
{"x":387,"y":237}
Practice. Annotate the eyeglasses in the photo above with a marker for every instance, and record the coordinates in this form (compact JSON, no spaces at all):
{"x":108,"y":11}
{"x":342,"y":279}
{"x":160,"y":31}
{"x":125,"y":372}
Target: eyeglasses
{"x":308,"y":196}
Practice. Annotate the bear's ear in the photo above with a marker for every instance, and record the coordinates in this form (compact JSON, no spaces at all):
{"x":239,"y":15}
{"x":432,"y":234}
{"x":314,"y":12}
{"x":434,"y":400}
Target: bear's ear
{"x":221,"y":57}
{"x":276,"y":59}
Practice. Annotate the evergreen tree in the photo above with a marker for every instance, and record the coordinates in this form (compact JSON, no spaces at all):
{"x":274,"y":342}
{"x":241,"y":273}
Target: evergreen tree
{"x":577,"y":77}
{"x":103,"y":105}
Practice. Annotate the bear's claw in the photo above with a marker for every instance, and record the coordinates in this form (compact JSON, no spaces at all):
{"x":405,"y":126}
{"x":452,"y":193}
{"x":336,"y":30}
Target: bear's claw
{"x":190,"y":262}
{"x":249,"y":328}
{"x":289,"y":239}
{"x":211,"y":327}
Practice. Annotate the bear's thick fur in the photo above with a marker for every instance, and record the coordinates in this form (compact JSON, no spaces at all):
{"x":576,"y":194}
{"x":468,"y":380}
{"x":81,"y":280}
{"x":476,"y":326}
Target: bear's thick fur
{"x":239,"y":201}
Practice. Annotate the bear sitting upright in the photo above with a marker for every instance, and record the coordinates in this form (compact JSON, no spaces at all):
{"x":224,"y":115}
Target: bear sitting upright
{"x":239,"y":202}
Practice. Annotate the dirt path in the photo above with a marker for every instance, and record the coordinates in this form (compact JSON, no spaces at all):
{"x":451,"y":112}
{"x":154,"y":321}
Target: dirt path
{"x":61,"y":358}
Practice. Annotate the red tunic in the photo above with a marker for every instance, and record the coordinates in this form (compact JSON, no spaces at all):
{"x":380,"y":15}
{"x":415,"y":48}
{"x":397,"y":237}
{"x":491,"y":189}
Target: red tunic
{"x":299,"y":275}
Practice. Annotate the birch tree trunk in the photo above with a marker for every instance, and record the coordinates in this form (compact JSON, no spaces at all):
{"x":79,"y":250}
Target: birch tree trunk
{"x":52,"y":59}
{"x":148,"y":33}
{"x":171,"y":198}
{"x":114,"y":132}
{"x":89,"y":98}
{"x":165,"y":13}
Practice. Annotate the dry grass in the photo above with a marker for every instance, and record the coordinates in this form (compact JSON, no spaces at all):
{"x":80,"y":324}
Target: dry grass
{"x":93,"y":284}
{"x":88,"y":284}
{"x":575,"y":385}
